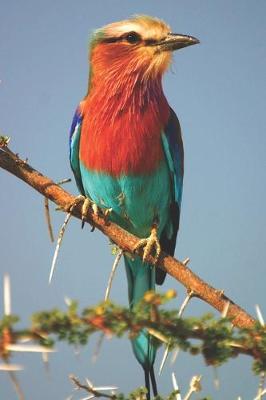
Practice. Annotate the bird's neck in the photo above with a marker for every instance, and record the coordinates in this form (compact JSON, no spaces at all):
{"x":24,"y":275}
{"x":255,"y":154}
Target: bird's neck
{"x":124,"y":114}
{"x":114,"y":94}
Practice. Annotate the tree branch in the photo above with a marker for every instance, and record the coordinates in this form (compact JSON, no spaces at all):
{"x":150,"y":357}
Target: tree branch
{"x":126,"y":241}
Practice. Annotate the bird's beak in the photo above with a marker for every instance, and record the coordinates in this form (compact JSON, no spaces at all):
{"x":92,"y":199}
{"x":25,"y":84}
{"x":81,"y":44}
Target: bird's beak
{"x":175,"y":41}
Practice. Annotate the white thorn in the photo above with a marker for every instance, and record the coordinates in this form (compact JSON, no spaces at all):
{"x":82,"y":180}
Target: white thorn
{"x":225,"y":309}
{"x":175,"y":354}
{"x":112,"y":274}
{"x":67,"y":301}
{"x":216,"y":380}
{"x":259,"y":397}
{"x":11,"y":367}
{"x":259,"y":315}
{"x":7,"y":295}
{"x":185,"y":303}
{"x":158,"y":335}
{"x":45,"y":357}
{"x":180,"y":313}
{"x":59,"y":240}
{"x":25,"y":339}
{"x":175,"y":386}
{"x":186,"y":261}
{"x":261,"y":386}
{"x":104,"y":388}
{"x":165,"y":355}
{"x":98,"y":347}
{"x":89,"y":383}
{"x":29,"y":348}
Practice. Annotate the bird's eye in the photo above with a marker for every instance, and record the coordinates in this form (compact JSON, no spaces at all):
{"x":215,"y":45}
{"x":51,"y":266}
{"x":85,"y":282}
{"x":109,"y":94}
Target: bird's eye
{"x":132,"y":37}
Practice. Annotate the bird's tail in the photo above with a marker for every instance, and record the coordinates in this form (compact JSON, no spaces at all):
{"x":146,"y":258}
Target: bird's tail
{"x":141,"y":278}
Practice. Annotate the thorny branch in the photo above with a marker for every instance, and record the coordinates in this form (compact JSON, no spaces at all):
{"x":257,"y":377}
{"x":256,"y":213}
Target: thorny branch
{"x":94,"y":391}
{"x":124,"y":240}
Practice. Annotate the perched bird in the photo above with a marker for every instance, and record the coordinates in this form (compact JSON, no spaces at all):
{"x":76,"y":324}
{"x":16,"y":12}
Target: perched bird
{"x":126,"y":148}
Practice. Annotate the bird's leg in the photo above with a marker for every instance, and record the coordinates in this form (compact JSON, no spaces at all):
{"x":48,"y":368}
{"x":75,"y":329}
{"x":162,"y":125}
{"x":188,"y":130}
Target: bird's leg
{"x":151,"y":245}
{"x":153,"y":382}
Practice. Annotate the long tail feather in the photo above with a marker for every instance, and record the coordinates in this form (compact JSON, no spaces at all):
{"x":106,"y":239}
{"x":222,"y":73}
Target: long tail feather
{"x":153,"y":382}
{"x":147,"y":383}
{"x":141,"y":278}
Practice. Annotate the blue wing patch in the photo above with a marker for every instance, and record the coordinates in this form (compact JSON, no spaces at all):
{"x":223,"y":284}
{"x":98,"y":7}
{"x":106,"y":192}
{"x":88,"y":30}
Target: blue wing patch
{"x":174,"y":154}
{"x":74,"y":139}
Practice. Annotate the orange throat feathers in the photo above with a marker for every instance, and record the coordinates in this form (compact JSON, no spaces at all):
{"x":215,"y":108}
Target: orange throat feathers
{"x":123,"y":118}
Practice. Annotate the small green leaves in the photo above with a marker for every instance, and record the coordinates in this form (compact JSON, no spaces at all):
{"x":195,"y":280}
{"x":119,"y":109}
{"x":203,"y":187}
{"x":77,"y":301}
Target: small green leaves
{"x":4,"y":140}
{"x":216,"y":340}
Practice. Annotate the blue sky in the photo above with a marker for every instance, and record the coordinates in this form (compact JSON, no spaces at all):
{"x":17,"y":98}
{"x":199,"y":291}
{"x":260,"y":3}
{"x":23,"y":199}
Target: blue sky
{"x":218,"y":90}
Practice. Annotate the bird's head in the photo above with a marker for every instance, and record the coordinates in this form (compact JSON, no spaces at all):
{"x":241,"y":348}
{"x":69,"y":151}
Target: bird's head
{"x":141,"y":44}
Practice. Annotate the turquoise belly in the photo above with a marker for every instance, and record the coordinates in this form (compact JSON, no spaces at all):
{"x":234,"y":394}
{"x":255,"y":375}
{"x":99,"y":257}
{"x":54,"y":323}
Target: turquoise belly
{"x":136,"y":201}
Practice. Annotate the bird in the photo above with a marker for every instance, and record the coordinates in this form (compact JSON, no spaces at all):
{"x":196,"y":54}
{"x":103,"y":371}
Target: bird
{"x":126,"y":150}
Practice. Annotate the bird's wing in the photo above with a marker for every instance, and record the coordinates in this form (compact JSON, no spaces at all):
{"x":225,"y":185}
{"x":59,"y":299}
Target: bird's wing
{"x":74,"y":140}
{"x":174,"y":154}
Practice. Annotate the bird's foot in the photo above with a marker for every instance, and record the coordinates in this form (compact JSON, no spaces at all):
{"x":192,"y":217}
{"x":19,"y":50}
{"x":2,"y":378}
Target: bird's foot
{"x":151,"y":245}
{"x":86,"y":204}
{"x":97,"y":211}
{"x":78,"y":199}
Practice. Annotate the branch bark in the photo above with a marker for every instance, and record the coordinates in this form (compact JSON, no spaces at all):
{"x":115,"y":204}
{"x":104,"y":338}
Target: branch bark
{"x":126,"y":241}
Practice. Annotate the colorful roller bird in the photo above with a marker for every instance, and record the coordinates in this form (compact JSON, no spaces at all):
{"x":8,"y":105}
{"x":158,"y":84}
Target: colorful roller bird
{"x":126,"y":148}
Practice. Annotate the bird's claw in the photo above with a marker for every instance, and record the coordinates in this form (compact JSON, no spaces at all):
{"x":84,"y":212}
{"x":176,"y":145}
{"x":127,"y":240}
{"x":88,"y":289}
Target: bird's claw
{"x":84,"y":210}
{"x":87,"y":203}
{"x":106,"y":214}
{"x":151,"y":246}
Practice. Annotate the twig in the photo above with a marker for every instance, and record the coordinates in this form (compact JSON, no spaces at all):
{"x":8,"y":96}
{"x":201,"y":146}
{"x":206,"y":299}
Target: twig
{"x":195,"y":386}
{"x":48,"y":219}
{"x":63,"y":181}
{"x":259,"y":397}
{"x":112,"y":274}
{"x":15,"y":382}
{"x":124,"y":240}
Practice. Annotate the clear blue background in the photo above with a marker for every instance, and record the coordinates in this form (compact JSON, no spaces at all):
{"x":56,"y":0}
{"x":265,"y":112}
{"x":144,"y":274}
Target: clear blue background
{"x":218,"y":91}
